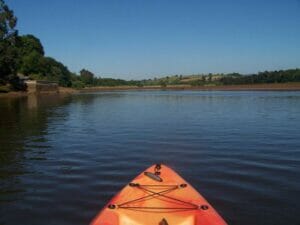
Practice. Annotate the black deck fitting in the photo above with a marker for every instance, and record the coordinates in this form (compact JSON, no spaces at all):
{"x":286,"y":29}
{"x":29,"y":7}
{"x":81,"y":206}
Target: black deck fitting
{"x":182,"y":185}
{"x":133,"y":184}
{"x":111,"y":206}
{"x":204,"y":207}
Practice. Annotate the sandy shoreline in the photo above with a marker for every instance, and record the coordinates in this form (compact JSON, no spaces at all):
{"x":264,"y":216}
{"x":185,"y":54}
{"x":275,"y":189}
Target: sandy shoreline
{"x":246,"y":87}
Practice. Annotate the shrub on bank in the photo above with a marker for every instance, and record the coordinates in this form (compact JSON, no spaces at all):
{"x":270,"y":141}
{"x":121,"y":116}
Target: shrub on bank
{"x":78,"y":84}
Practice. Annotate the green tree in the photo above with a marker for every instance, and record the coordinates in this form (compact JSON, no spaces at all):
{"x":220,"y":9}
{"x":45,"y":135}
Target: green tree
{"x":7,"y":23}
{"x":30,"y":52}
{"x":163,"y":83}
{"x":55,"y":71}
{"x":87,"y":77}
{"x":29,"y":43}
{"x":8,"y":50}
{"x":31,"y":63}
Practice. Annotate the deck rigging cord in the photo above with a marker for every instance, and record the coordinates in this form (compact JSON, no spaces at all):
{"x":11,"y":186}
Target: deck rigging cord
{"x":161,"y":194}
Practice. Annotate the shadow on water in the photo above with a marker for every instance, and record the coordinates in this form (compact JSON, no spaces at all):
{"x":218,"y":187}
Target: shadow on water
{"x":24,"y":145}
{"x":23,"y":130}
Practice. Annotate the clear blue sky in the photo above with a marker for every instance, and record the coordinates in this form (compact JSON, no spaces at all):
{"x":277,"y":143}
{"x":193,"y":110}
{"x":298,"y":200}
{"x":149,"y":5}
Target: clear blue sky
{"x":147,"y":38}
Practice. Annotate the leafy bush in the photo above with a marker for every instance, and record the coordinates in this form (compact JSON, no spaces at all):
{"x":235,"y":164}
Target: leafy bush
{"x":78,"y":84}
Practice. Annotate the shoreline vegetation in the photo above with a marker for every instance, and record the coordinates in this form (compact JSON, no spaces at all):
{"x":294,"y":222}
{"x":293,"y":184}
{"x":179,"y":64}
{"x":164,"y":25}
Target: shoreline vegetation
{"x":295,"y":86}
{"x":23,"y":58}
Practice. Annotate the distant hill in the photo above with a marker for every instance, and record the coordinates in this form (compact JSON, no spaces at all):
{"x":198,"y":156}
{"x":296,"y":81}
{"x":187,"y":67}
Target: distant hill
{"x":278,"y":76}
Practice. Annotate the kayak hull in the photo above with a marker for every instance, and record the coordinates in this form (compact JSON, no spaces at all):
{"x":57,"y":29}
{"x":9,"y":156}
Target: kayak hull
{"x":158,"y":196}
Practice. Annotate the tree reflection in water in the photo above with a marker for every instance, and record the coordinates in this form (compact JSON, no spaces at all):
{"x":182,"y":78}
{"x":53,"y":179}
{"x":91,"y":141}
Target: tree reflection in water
{"x":23,"y":131}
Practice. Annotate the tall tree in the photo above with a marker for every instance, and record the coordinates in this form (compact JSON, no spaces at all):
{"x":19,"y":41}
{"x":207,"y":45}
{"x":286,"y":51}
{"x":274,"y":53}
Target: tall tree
{"x":29,"y":43}
{"x":55,"y":71}
{"x":7,"y":22}
{"x":31,"y":63}
{"x":30,"y":52}
{"x":87,"y":77}
{"x":8,"y":50}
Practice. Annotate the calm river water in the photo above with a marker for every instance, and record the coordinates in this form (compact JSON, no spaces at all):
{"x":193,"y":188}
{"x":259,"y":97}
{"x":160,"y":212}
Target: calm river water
{"x":63,"y":158}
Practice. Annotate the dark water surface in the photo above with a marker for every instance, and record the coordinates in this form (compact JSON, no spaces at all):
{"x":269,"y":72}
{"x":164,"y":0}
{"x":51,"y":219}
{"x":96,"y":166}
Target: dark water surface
{"x":62,"y":159}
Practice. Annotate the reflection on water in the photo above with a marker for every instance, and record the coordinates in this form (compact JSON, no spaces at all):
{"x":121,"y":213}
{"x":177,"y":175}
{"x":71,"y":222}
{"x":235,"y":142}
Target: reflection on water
{"x":23,"y":124}
{"x":62,"y":158}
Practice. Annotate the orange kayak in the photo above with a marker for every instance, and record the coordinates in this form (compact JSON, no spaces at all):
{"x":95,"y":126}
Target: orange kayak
{"x":158,"y":196}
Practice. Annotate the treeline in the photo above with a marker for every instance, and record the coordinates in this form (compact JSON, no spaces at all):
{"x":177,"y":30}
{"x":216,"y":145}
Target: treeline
{"x":25,"y":55}
{"x":281,"y":76}
{"x":88,"y":79}
{"x":33,"y":63}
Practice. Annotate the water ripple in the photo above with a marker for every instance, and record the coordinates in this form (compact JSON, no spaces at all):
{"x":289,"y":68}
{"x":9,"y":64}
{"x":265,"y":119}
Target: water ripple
{"x":66,"y":157}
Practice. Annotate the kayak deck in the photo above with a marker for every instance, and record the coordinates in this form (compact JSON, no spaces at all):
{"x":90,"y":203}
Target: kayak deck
{"x":158,"y":196}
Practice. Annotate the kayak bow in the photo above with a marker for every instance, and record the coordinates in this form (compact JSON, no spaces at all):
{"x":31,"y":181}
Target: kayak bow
{"x":158,"y":196}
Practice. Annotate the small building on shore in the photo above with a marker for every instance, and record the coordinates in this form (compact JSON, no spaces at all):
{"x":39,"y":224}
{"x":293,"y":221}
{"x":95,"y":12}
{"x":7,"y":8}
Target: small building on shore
{"x":41,"y":86}
{"x":22,"y":78}
{"x":38,"y":86}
